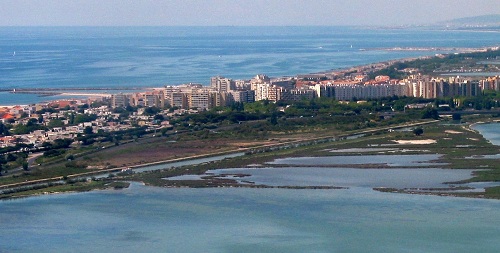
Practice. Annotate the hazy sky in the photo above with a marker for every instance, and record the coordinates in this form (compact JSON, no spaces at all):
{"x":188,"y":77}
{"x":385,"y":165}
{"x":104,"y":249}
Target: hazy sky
{"x":237,"y":12}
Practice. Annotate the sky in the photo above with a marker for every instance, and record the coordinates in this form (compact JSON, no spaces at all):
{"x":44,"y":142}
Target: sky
{"x":238,"y":12}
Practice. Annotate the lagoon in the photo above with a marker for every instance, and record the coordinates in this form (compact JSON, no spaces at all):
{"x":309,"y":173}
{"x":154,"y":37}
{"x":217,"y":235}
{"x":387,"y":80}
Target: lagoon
{"x":357,"y":219}
{"x":148,"y":219}
{"x":389,"y":160}
{"x":349,"y":177}
{"x":490,"y":131}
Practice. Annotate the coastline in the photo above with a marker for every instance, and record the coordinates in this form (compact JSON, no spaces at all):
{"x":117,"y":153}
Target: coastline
{"x":68,"y":92}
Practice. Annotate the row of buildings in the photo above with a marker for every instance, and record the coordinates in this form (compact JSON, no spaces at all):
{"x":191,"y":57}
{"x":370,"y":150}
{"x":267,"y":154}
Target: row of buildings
{"x":106,"y":121}
{"x":223,"y":91}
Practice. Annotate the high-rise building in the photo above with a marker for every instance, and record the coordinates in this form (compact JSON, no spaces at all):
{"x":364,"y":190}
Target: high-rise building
{"x":222,"y":84}
{"x":245,"y":96}
{"x":178,"y":99}
{"x":199,"y":100}
{"x":120,"y":100}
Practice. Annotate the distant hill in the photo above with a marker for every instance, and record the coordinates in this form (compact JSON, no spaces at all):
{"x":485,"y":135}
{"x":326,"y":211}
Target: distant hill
{"x":476,"y":21}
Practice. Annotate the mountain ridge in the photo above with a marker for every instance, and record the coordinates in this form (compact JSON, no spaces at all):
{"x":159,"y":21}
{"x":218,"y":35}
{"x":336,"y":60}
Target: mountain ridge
{"x":478,"y":21}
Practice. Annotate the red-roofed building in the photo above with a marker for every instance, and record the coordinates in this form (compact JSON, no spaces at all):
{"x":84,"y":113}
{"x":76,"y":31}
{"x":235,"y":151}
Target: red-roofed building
{"x":6,"y":117}
{"x":299,"y":84}
{"x":382,"y":78}
{"x":63,"y":103}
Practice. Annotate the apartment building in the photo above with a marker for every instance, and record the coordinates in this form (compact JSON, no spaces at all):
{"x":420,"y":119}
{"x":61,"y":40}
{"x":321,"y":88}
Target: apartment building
{"x":222,"y":84}
{"x":245,"y":96}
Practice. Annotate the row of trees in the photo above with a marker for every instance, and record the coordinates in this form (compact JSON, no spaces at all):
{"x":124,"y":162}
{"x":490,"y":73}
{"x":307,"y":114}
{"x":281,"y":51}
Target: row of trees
{"x":320,"y":111}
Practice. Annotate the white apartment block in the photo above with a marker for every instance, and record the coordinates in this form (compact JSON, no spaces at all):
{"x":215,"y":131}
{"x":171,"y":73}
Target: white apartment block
{"x":199,"y":99}
{"x":261,"y":90}
{"x":222,"y":84}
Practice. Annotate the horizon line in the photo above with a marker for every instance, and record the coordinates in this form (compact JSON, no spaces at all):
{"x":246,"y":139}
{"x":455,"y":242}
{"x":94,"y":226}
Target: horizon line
{"x":200,"y":25}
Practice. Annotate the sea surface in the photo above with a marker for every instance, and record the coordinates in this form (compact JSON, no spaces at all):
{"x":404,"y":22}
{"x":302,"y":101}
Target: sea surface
{"x":115,"y":57}
{"x":357,"y":219}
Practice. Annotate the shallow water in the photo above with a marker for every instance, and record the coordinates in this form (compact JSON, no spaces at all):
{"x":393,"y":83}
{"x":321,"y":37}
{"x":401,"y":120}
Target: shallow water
{"x":357,"y":219}
{"x":186,"y":162}
{"x":147,"y":219}
{"x":362,"y":150}
{"x":390,"y":160}
{"x":350,"y":177}
{"x":489,"y":131}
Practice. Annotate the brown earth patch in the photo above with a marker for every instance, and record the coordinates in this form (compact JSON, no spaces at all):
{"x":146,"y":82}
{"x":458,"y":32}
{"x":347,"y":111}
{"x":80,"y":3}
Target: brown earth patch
{"x":160,"y":149}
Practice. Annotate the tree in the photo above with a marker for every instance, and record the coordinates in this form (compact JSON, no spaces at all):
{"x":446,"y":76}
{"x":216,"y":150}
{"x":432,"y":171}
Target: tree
{"x":71,"y":118}
{"x":430,"y":113}
{"x":55,"y":123}
{"x":53,"y":152}
{"x":97,"y":104}
{"x":80,"y":118}
{"x":47,"y":145}
{"x":11,"y":158}
{"x":274,"y":118}
{"x":159,"y":117}
{"x":30,"y":126}
{"x":164,"y":132}
{"x":88,"y":130}
{"x":418,"y":131}
{"x":4,"y":130}
{"x":70,"y":157}
{"x":25,"y":166}
{"x":62,"y":143}
{"x":151,"y":111}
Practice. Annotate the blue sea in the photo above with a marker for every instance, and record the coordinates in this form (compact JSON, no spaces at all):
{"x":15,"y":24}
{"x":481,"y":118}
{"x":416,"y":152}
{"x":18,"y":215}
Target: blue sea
{"x":120,"y":57}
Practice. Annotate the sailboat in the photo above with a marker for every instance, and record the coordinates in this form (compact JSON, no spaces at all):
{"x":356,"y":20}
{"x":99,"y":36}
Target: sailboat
{"x":14,"y":54}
